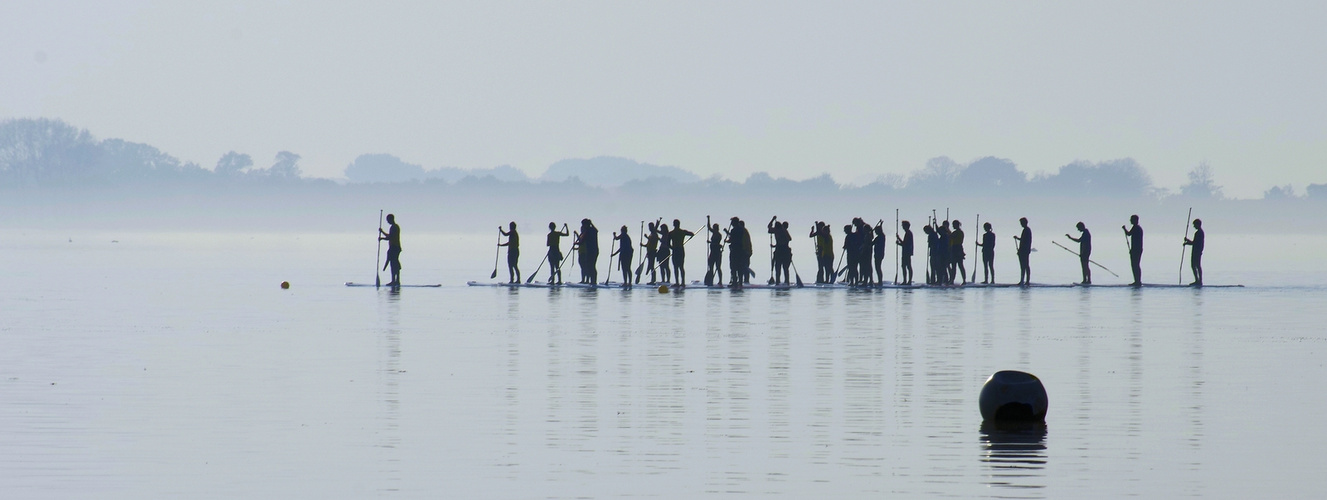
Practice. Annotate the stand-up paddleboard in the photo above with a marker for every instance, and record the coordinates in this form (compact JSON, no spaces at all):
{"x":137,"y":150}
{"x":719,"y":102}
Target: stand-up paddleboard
{"x":351,"y":283}
{"x":1156,"y":285}
{"x":545,"y":284}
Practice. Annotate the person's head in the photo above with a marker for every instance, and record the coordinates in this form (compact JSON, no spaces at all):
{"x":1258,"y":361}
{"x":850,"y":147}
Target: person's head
{"x":907,"y":225}
{"x":1197,"y":223}
{"x":652,"y":228}
{"x":512,"y":225}
{"x":715,"y":227}
{"x":624,"y":229}
{"x":987,"y":226}
{"x":663,"y":227}
{"x":1133,"y":219}
{"x":391,"y":218}
{"x":957,"y":224}
{"x":847,"y":228}
{"x":880,"y":231}
{"x":785,"y":224}
{"x":677,"y":223}
{"x":1082,"y":227}
{"x":1023,"y":221}
{"x":857,"y":221}
{"x":552,"y":226}
{"x":944,"y":225}
{"x":927,"y":229}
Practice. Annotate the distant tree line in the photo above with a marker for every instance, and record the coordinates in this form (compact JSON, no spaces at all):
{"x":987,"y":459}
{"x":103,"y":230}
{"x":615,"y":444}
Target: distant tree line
{"x":50,"y":152}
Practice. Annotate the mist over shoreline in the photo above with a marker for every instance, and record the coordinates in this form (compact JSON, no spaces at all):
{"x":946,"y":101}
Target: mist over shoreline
{"x":55,"y":175}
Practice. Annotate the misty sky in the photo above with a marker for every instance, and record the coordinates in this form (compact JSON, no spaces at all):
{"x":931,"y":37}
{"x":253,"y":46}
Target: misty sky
{"x":855,"y":89}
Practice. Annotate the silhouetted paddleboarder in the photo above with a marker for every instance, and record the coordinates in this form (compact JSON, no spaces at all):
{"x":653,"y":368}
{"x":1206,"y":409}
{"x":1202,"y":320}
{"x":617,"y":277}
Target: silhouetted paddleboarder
{"x":590,"y":247}
{"x":956,"y":254}
{"x":878,"y":252}
{"x":864,"y":241}
{"x":1135,"y":236}
{"x":783,"y":253}
{"x":513,"y":245}
{"x":1084,"y":241}
{"x":651,"y":245}
{"x":906,"y":244}
{"x":987,"y":254}
{"x":1196,"y":260}
{"x":555,"y":251}
{"x":714,"y":265}
{"x":393,"y":237}
{"x":748,"y":249}
{"x":623,"y":253}
{"x":665,"y":252}
{"x":1024,"y":253}
{"x":677,"y":240}
{"x":736,"y":249}
{"x":824,"y":238}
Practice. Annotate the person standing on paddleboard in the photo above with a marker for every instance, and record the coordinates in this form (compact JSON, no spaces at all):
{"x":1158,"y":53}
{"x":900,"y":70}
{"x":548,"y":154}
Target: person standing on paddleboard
{"x":1135,"y":235}
{"x":878,"y":252}
{"x":906,"y":242}
{"x":956,"y":253}
{"x":665,"y":252}
{"x":1024,"y":253}
{"x":513,"y":245}
{"x":393,"y":237}
{"x":624,"y":253}
{"x":1196,"y":260}
{"x":651,"y":244}
{"x":715,"y":264}
{"x":987,"y":254}
{"x":677,"y":240}
{"x":555,"y":251}
{"x":1084,"y":251}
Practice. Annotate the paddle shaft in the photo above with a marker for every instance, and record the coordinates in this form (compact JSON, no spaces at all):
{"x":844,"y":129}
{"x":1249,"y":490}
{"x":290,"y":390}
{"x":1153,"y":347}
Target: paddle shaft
{"x":377,"y":272}
{"x":1187,"y":220}
{"x":896,"y":249}
{"x":1112,"y":273}
{"x":977,"y":229}
{"x":496,"y":250}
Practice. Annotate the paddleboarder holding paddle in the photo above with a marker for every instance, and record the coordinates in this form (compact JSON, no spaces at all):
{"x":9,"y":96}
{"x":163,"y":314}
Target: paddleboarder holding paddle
{"x":555,"y":251}
{"x":1135,"y":239}
{"x":677,"y":240}
{"x":1024,"y":242}
{"x":714,"y":267}
{"x":905,"y":242}
{"x":987,"y":245}
{"x":1084,"y":251}
{"x":393,"y":237}
{"x":1196,"y":260}
{"x":513,"y":245}
{"x":624,"y":253}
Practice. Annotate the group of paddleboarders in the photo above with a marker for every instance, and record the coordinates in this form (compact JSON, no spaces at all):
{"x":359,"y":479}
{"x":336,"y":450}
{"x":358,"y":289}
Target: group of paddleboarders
{"x":863,"y":250}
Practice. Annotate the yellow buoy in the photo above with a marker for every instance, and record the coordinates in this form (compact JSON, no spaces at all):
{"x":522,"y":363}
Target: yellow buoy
{"x":663,"y":288}
{"x":285,"y":285}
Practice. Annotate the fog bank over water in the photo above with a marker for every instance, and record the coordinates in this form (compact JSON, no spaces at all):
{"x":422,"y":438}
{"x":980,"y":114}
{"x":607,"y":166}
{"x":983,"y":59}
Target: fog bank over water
{"x":53,"y":174}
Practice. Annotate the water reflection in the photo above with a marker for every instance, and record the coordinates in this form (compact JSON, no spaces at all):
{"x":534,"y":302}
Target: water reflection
{"x":389,"y":392}
{"x":1015,"y":454}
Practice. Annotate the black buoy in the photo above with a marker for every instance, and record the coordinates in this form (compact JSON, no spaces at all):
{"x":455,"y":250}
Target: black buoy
{"x":1011,"y":395}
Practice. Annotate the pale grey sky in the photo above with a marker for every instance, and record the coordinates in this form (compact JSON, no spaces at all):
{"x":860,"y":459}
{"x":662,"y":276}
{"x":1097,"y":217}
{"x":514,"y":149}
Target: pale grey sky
{"x":855,"y":89}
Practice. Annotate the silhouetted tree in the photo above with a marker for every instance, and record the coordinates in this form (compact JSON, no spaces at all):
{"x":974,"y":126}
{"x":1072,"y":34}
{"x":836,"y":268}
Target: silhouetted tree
{"x":1117,"y":178}
{"x":1286,"y":192}
{"x":286,"y":166}
{"x":45,"y":151}
{"x":123,"y":160}
{"x":233,"y":164}
{"x":382,"y":168}
{"x":1201,"y":183}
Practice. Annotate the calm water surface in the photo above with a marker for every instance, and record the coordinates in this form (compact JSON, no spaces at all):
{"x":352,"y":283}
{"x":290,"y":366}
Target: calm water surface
{"x":173,"y":366}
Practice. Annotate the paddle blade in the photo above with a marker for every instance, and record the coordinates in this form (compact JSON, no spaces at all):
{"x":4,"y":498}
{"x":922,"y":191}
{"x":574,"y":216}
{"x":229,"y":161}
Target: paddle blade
{"x":494,"y":275}
{"x":799,"y":281}
{"x":709,"y":277}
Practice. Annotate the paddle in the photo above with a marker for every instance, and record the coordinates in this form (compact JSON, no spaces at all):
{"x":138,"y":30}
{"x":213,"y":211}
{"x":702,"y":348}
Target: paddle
{"x":773,"y":270}
{"x":896,"y":264}
{"x":610,"y":259}
{"x":496,"y":251}
{"x":641,"y":266}
{"x":1112,"y":273}
{"x":536,"y":270}
{"x":976,"y":229}
{"x":797,"y":274}
{"x":709,"y":268}
{"x":1188,"y":219}
{"x":377,"y":273}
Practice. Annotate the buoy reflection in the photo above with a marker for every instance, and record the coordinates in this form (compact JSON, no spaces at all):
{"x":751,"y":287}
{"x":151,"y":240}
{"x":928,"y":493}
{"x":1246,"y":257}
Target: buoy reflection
{"x":1015,"y":452}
